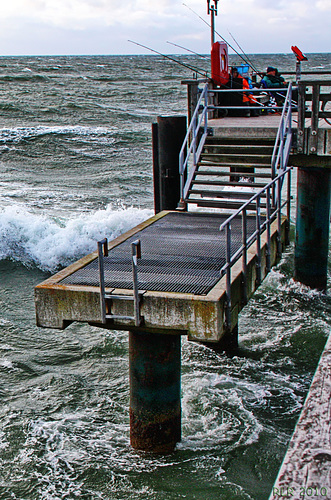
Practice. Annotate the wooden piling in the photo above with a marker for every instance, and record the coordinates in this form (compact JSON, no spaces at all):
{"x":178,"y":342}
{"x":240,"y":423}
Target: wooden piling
{"x":168,"y":136}
{"x":312,"y":226}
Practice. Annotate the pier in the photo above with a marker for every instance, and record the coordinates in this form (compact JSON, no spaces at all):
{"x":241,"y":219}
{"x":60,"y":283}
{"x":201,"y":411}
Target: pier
{"x":191,"y":268}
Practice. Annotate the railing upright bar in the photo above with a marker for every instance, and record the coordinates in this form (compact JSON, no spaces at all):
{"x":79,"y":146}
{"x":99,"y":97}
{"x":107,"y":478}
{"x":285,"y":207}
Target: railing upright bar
{"x":244,"y":256}
{"x":102,"y":250}
{"x":258,"y":240}
{"x":268,"y":260}
{"x":228,"y":275}
{"x":136,"y":254}
{"x":279,"y":217}
{"x":288,"y":209}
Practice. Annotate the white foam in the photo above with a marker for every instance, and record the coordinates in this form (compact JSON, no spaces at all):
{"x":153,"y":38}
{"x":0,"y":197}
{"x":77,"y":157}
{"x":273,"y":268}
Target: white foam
{"x":17,"y":134}
{"x":34,"y":239}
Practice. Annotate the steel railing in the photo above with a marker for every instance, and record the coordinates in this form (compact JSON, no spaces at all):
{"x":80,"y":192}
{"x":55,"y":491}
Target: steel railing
{"x":104,"y":296}
{"x":198,"y":130}
{"x":262,"y":223}
{"x":193,"y":143}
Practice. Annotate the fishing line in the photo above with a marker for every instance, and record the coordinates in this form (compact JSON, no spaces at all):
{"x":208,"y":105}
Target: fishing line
{"x":203,"y":20}
{"x":198,"y":71}
{"x":248,"y":59}
{"x":192,"y":51}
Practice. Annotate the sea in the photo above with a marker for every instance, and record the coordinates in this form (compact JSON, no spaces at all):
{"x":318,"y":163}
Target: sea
{"x":75,"y":167}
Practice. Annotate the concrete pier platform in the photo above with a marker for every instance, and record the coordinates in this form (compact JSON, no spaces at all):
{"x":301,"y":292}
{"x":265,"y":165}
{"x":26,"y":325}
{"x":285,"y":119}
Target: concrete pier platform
{"x":306,"y":468}
{"x":182,"y":291}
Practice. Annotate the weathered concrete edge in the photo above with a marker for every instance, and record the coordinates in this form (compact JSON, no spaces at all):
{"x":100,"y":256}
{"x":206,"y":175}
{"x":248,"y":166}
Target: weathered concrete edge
{"x":199,"y":317}
{"x":306,"y":469}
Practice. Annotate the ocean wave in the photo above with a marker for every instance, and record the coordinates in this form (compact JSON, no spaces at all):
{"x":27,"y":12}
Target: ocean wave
{"x":26,"y":77}
{"x":18,"y":134}
{"x":35,"y":240}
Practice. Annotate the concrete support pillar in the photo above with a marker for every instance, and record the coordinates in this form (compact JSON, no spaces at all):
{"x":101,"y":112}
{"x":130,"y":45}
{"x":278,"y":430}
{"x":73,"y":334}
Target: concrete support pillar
{"x":155,"y":409}
{"x":168,"y":137}
{"x":312,"y":226}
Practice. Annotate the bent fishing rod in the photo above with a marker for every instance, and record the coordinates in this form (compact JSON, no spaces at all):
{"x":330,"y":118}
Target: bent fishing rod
{"x":198,"y":71}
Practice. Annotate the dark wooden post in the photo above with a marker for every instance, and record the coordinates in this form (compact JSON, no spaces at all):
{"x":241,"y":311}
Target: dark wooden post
{"x":168,"y":137}
{"x":312,"y":226}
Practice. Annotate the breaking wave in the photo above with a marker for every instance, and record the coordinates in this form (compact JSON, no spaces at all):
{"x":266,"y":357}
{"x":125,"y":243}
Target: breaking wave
{"x":36,"y":240}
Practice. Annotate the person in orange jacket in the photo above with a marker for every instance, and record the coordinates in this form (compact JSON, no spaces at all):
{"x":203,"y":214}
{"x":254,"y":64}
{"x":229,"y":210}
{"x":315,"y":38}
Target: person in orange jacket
{"x":238,"y":81}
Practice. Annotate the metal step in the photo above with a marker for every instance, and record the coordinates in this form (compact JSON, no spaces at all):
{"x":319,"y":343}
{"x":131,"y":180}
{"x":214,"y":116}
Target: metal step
{"x":244,"y":183}
{"x":227,"y":173}
{"x":224,"y":149}
{"x":233,"y":164}
{"x":246,"y":195}
{"x":251,"y":141}
{"x":236,"y":158}
{"x":227,"y":204}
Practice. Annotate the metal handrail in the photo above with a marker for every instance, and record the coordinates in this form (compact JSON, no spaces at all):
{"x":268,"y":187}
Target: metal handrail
{"x":283,"y":142}
{"x":195,"y":138}
{"x":273,"y":212}
{"x":135,"y":298}
{"x":196,"y":141}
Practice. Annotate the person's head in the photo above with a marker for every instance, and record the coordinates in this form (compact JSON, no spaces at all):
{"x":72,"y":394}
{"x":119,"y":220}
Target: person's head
{"x":234,"y":72}
{"x":271,"y":71}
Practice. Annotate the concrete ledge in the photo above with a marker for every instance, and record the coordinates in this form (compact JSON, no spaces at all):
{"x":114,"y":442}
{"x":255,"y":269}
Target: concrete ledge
{"x":306,"y":469}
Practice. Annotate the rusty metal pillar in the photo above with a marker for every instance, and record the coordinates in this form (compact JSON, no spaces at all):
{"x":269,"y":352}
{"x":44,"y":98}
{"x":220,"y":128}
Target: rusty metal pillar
{"x":312,"y":227}
{"x":155,"y":409}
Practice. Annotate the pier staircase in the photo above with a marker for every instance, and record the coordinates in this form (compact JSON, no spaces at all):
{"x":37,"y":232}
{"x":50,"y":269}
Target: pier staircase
{"x":230,"y":171}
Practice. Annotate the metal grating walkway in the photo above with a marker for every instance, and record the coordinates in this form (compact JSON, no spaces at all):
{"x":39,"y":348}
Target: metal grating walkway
{"x":181,"y":252}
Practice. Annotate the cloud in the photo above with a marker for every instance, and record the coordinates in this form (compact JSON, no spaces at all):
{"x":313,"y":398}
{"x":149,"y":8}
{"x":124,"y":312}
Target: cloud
{"x":104,"y":26}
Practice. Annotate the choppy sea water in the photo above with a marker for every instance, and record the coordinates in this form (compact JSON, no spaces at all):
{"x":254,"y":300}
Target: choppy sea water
{"x":75,"y":166}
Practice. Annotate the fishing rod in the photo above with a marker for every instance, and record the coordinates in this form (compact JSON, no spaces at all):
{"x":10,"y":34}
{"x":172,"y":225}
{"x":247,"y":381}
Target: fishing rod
{"x":172,"y":59}
{"x":203,"y":20}
{"x":248,"y":59}
{"x":188,"y":50}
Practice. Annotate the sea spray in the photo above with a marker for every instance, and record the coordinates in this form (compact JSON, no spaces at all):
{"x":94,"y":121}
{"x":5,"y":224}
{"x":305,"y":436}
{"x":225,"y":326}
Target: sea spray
{"x":37,"y":240}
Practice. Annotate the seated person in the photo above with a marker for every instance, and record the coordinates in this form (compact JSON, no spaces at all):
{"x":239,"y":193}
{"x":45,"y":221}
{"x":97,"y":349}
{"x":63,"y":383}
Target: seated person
{"x":236,"y":81}
{"x":273,"y":79}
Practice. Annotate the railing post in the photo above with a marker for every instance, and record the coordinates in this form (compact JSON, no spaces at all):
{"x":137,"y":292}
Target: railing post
{"x":258,"y":241}
{"x":314,"y":118}
{"x":268,"y":259}
{"x":288,"y":209}
{"x":102,"y":250}
{"x":136,"y":254}
{"x":244,"y":256}
{"x":301,"y":117}
{"x":228,"y":276}
{"x":279,"y":218}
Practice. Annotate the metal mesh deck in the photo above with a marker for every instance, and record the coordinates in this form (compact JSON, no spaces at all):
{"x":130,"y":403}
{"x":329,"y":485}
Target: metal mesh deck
{"x":181,"y":252}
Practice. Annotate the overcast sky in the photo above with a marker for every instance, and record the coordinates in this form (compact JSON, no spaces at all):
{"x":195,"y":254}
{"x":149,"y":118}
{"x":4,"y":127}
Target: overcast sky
{"x":49,"y":27}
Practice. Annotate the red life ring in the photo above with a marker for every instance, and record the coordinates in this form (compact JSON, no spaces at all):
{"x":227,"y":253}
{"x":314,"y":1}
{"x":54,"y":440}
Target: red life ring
{"x":219,"y":63}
